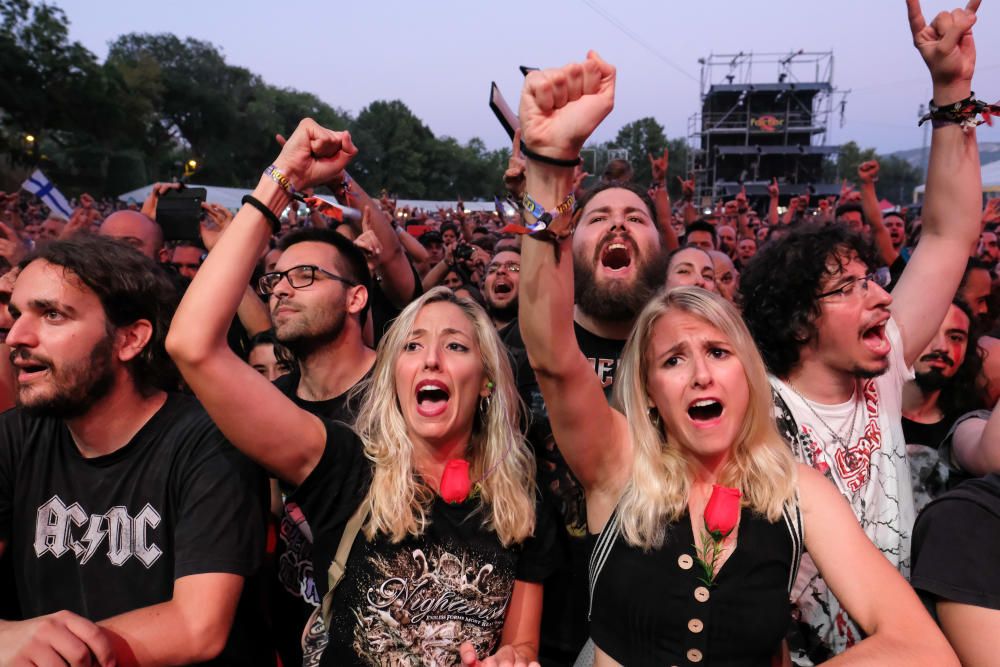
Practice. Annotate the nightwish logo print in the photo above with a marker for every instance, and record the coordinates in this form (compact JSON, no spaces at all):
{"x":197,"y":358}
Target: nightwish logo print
{"x":419,"y":607}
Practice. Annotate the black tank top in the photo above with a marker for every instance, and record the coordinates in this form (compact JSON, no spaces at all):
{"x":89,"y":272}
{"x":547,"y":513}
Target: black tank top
{"x":651,"y":609}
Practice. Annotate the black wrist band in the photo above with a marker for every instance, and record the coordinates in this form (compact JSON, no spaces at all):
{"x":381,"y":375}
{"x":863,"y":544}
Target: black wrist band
{"x":265,"y":211}
{"x":545,"y":159}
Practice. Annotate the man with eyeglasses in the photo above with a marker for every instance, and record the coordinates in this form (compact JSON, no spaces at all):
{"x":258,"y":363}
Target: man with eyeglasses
{"x":318,"y":296}
{"x":838,"y":355}
{"x":500,"y":287}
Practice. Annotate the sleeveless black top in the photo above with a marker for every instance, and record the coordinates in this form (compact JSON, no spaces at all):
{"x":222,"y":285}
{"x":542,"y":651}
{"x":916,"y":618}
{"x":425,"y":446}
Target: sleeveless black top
{"x":652,"y":609}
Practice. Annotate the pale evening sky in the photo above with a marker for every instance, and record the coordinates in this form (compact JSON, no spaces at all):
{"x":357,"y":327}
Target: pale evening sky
{"x":439,"y":57}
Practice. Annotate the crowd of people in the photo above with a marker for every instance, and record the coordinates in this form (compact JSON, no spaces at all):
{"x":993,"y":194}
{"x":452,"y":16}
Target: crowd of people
{"x":605,"y":429}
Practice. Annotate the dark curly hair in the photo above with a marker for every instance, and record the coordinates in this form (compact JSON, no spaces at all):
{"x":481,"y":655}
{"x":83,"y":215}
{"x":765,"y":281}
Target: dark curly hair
{"x":779,"y":286}
{"x":130,"y":287}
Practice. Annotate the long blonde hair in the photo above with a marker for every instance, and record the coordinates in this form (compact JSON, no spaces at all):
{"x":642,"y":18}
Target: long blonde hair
{"x":398,"y":500}
{"x":760,"y":465}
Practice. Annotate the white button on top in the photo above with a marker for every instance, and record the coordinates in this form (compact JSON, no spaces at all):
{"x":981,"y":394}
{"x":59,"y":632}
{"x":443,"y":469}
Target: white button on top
{"x":685,"y":562}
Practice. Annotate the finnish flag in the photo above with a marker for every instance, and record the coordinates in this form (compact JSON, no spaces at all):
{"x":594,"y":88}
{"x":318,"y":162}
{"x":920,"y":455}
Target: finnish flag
{"x":38,"y":185}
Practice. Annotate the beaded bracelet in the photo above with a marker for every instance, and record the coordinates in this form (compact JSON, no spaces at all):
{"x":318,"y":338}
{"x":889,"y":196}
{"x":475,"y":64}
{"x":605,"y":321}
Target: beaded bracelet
{"x":961,"y":113}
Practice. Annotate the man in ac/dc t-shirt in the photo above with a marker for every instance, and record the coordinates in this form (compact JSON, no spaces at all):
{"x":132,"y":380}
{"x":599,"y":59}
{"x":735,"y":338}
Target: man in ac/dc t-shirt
{"x":618,"y":264}
{"x":129,"y":520}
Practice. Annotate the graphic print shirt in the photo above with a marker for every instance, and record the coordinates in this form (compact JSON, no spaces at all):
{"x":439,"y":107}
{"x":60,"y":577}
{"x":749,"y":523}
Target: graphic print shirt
{"x":872,"y":472}
{"x":106,"y":535}
{"x":415,"y":601}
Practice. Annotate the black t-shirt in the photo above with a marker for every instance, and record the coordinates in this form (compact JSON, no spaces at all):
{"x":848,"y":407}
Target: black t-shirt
{"x":294,"y":597}
{"x":103,"y":536}
{"x":956,"y":546}
{"x":564,"y":617}
{"x":928,"y":435}
{"x":424,"y":595}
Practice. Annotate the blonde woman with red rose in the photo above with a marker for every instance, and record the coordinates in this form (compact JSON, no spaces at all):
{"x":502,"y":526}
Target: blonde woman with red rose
{"x":446,"y":557}
{"x":698,"y":511}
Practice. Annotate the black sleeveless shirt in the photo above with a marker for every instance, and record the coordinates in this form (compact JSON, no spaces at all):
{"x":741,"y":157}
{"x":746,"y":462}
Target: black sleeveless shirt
{"x":650,"y":608}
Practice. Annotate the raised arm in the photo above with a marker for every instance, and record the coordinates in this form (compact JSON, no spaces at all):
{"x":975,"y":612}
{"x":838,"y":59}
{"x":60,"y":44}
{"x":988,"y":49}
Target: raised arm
{"x":398,"y":282}
{"x":559,"y":110}
{"x":661,"y":200}
{"x":951,"y":214}
{"x":242,"y":402}
{"x":899,"y":631}
{"x":773,"y":194}
{"x":868,"y":175}
{"x":976,"y":444}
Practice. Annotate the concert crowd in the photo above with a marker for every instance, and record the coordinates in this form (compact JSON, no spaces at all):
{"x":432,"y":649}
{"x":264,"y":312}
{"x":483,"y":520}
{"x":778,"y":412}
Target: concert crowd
{"x":592,"y":427}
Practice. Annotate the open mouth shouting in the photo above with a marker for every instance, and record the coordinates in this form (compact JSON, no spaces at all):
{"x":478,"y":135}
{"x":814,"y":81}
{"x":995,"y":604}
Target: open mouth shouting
{"x":502,"y":288}
{"x":432,"y":398}
{"x":705,"y":412}
{"x":875,"y":338}
{"x":616,"y":256}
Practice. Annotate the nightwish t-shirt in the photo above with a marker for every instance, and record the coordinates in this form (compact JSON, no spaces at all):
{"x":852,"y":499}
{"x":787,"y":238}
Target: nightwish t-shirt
{"x":106,"y":535}
{"x":564,"y":615}
{"x":416,"y":601}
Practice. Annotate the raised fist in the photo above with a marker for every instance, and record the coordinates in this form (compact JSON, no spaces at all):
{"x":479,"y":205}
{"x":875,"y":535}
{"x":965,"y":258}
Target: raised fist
{"x":868,"y":172}
{"x":560,"y":108}
{"x":313,"y":155}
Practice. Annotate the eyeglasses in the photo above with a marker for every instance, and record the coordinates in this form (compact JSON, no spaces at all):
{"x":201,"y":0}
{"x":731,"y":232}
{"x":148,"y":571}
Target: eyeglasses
{"x":509,"y":267}
{"x":880,"y":277}
{"x":298,"y":277}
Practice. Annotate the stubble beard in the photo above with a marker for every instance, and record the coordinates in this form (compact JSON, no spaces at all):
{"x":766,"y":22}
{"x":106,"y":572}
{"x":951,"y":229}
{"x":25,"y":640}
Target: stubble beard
{"x":77,"y":387}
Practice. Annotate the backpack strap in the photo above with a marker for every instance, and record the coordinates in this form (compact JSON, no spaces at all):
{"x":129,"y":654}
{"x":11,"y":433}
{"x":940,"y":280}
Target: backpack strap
{"x":338,"y":567}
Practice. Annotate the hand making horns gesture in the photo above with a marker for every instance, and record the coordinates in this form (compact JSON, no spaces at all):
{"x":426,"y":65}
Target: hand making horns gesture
{"x":946,"y":45}
{"x":560,"y":108}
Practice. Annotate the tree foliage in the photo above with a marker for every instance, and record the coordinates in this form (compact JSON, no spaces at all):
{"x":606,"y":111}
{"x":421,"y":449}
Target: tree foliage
{"x":160,"y":100}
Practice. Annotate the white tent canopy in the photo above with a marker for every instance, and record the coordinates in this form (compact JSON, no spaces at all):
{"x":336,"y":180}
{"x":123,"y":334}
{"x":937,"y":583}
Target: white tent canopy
{"x":230,"y":198}
{"x":991,"y":181}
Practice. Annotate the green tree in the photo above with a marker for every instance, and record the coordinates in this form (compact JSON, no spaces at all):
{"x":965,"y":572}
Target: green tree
{"x":392,"y":145}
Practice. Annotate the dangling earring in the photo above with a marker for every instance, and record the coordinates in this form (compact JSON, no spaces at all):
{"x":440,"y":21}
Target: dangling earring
{"x":654,"y":416}
{"x":484,"y":403}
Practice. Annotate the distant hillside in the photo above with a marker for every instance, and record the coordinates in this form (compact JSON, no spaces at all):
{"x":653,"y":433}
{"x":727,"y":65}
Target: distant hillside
{"x":988,"y":152}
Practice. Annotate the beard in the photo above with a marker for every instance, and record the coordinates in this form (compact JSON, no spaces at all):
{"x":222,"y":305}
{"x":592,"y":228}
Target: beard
{"x":931,"y":380}
{"x":312,"y":328}
{"x":76,"y":386}
{"x":501,"y":313}
{"x":617,"y":300}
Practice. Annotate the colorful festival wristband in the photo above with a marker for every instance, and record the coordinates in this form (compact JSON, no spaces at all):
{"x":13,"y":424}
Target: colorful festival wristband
{"x":543,"y":217}
{"x":275,"y":175}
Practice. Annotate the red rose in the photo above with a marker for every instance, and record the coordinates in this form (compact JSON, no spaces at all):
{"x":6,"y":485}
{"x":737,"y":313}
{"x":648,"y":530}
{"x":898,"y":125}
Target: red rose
{"x":722,"y":511}
{"x":455,"y":481}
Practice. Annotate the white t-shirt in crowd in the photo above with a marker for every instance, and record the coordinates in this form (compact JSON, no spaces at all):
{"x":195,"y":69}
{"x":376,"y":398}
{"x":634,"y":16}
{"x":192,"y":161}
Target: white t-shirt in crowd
{"x":871,"y":472}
